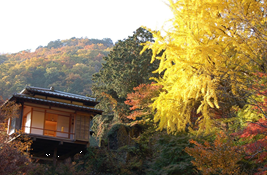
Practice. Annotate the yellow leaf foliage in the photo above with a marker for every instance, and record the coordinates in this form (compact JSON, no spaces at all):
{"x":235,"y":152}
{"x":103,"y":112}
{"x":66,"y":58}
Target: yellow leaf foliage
{"x":210,"y":41}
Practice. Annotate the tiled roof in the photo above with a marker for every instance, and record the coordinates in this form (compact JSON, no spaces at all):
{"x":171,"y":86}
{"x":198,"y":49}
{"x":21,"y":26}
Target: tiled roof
{"x":23,"y":96}
{"x":57,"y":93}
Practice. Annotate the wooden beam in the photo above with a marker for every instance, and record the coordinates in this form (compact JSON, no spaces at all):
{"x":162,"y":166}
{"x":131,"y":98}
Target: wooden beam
{"x":31,"y":120}
{"x":69,"y":128}
{"x":43,"y":158}
{"x":21,"y":115}
{"x":44,"y":123}
{"x":55,"y":156}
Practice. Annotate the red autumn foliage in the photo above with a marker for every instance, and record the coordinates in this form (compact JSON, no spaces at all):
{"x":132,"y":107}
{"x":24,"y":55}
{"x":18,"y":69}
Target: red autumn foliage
{"x":141,"y":99}
{"x":255,"y":134}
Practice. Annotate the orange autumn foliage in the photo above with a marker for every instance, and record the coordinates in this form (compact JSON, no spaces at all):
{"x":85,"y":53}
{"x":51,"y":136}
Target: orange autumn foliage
{"x":141,"y":99}
{"x":13,"y":154}
{"x":219,"y":157}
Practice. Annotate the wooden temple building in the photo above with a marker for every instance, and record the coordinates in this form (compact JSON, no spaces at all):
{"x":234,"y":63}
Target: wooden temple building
{"x":57,"y":122}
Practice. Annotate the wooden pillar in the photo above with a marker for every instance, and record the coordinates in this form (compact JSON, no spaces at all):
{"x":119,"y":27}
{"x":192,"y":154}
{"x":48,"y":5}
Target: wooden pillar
{"x":44,"y":124}
{"x":31,"y":120}
{"x":55,"y":156}
{"x":69,"y":130}
{"x":21,"y":116}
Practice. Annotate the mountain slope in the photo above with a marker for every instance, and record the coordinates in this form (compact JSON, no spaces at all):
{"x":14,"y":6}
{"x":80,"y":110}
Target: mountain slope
{"x":67,"y":65}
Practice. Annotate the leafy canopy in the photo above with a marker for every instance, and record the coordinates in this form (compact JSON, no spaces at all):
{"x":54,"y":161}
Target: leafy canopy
{"x":209,"y":56}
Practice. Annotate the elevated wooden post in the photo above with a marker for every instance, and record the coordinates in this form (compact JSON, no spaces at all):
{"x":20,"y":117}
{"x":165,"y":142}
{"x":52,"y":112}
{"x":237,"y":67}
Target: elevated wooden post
{"x":54,"y":156}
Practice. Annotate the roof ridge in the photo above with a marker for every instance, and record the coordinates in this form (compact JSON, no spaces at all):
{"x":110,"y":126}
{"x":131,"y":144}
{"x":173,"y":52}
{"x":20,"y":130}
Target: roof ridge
{"x":55,"y":92}
{"x":51,"y":101}
{"x":39,"y":88}
{"x":67,"y":93}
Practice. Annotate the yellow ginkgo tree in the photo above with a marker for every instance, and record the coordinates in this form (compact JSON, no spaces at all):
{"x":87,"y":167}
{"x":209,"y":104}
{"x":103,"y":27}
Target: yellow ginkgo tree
{"x":210,"y":55}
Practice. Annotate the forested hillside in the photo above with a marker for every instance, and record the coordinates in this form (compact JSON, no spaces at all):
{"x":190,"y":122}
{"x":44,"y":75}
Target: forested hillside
{"x":190,"y":102}
{"x":68,"y":65}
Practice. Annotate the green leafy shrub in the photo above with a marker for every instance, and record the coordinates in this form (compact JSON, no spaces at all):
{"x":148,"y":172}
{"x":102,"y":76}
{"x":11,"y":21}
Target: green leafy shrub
{"x":169,"y":157}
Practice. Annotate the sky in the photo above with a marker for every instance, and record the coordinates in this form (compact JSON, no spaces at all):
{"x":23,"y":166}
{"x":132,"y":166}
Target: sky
{"x":27,"y":24}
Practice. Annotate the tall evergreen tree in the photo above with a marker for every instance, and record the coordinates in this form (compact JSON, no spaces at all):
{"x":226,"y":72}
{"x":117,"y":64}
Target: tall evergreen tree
{"x":124,"y":69}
